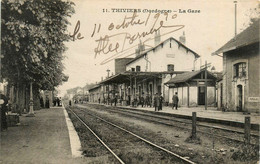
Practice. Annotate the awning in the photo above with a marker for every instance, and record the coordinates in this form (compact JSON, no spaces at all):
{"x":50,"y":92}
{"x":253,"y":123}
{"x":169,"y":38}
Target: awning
{"x":126,"y":76}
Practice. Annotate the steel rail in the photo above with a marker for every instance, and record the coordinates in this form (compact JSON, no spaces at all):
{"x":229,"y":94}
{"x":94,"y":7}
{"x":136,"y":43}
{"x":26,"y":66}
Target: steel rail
{"x":122,"y":162}
{"x":199,"y":124}
{"x":139,"y":115}
{"x":149,"y":142}
{"x":182,"y":121}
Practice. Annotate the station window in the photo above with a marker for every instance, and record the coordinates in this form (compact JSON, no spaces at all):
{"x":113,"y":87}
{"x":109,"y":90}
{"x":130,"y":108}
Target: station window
{"x":133,"y":69}
{"x":170,"y":67}
{"x":240,"y":70}
{"x":138,"y":68}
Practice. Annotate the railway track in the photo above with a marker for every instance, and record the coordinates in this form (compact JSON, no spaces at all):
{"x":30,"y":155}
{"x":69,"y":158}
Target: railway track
{"x":131,"y":138}
{"x":181,"y":123}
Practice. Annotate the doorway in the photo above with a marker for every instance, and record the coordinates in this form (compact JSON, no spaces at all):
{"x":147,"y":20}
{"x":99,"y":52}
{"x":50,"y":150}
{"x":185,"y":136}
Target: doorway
{"x":151,"y":89}
{"x":239,"y":98}
{"x":159,"y":89}
{"x":201,"y":95}
{"x":221,"y":95}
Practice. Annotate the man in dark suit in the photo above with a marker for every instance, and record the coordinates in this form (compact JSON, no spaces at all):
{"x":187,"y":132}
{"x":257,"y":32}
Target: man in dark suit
{"x":175,"y":101}
{"x":160,"y":102}
{"x":156,"y":102}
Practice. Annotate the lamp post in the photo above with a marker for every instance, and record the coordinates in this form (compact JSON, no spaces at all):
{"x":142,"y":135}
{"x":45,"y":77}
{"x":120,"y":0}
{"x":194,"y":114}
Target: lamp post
{"x":31,"y":112}
{"x":235,"y":2}
{"x":108,"y":73}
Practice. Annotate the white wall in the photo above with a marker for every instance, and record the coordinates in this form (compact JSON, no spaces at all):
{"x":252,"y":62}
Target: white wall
{"x":211,"y":96}
{"x":193,"y":96}
{"x":182,"y":59}
{"x":185,"y":96}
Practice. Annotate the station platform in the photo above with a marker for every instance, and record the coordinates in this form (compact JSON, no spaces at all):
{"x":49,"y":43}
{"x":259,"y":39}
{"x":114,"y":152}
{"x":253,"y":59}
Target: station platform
{"x":210,"y":115}
{"x":44,"y":139}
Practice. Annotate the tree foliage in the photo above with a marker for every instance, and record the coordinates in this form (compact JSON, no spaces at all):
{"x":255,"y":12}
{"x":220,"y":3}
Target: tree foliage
{"x":33,"y":35}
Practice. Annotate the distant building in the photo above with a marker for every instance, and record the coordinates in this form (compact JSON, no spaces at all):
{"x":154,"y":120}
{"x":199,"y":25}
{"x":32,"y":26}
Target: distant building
{"x":47,"y":98}
{"x":94,"y":93}
{"x":241,"y":71}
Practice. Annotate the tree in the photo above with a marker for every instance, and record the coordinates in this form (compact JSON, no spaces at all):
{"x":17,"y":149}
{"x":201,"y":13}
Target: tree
{"x":252,"y":16}
{"x":33,"y":35}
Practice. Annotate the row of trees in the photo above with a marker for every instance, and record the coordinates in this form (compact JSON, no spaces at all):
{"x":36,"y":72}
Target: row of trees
{"x":33,"y":33}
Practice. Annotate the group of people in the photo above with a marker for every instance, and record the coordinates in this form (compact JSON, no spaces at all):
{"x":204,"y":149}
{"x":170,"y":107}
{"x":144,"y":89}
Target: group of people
{"x":145,"y":102}
{"x":57,"y":101}
{"x":158,"y":100}
{"x":141,"y":100}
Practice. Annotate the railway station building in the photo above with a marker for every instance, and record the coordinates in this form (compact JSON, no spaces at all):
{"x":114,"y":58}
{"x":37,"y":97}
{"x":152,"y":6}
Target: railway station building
{"x":241,"y":72}
{"x":146,"y":74}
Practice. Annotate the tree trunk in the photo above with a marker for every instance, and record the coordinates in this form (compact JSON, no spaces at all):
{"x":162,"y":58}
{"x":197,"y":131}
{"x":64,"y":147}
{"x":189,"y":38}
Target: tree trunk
{"x":36,"y":99}
{"x":17,"y":109}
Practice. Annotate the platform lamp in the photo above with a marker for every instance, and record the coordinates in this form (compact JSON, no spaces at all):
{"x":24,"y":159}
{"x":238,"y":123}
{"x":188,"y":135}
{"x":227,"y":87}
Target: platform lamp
{"x":108,"y":73}
{"x":31,"y":112}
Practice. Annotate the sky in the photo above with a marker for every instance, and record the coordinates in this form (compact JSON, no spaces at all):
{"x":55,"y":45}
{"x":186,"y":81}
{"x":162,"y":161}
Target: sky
{"x":208,"y":27}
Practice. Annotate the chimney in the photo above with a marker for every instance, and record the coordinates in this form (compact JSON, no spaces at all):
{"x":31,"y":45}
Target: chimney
{"x":108,"y":73}
{"x":235,"y":2}
{"x":157,"y":38}
{"x":182,"y":38}
{"x":139,"y":49}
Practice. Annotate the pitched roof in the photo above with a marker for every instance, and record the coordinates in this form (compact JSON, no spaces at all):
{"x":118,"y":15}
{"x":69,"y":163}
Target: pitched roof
{"x":145,"y":52}
{"x":249,"y":36}
{"x":94,"y":87}
{"x":184,"y":77}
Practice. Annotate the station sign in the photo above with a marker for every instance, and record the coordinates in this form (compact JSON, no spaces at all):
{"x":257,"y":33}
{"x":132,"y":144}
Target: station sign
{"x":253,"y":99}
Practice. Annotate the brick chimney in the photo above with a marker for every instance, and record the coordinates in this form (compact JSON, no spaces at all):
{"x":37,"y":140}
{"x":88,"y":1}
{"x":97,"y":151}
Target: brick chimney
{"x":182,"y":38}
{"x":139,"y":49}
{"x":157,"y":38}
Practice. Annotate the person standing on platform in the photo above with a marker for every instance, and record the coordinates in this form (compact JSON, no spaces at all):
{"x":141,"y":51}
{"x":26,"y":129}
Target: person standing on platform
{"x":115,"y":100}
{"x":146,"y":100}
{"x":160,"y":102}
{"x":3,"y":103}
{"x":151,"y":100}
{"x":58,"y":101}
{"x":142,"y":100}
{"x":61,"y":101}
{"x":156,"y":102}
{"x":175,"y":101}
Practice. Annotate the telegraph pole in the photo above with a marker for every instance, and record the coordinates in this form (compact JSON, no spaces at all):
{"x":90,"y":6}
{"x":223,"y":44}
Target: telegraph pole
{"x":206,"y":86}
{"x":206,"y":82}
{"x":235,"y":2}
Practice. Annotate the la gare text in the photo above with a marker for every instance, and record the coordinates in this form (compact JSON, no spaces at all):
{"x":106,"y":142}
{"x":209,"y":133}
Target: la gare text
{"x":188,"y":11}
